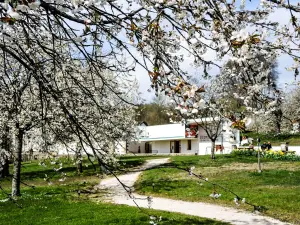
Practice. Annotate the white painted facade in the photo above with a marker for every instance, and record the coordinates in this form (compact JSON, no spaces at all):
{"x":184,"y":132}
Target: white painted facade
{"x":173,"y":138}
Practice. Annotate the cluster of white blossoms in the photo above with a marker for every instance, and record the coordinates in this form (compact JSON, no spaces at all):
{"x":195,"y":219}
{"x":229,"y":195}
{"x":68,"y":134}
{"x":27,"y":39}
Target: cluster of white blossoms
{"x":191,"y":170}
{"x":58,"y":168}
{"x":237,"y":200}
{"x":155,"y":220}
{"x":58,"y":52}
{"x":215,"y":195}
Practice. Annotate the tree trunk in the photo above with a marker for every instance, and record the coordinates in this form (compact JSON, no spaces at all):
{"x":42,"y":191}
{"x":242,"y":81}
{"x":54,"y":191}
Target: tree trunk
{"x":79,"y":167}
{"x":16,"y":181}
{"x":100,"y":165}
{"x":5,"y":169}
{"x":6,"y":147}
{"x":79,"y":162}
{"x":103,"y":170}
{"x":278,"y":116}
{"x":213,"y":146}
{"x":278,"y":127}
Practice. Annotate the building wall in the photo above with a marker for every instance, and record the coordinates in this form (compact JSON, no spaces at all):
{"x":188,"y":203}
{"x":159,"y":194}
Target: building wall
{"x":205,"y":147}
{"x":151,"y":133}
{"x":161,"y":147}
{"x":194,"y":145}
{"x":201,"y":145}
{"x":183,"y":144}
{"x":164,"y":147}
{"x":205,"y":143}
{"x":134,"y":147}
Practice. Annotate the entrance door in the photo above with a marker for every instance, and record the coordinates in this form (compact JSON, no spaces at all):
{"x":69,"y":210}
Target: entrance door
{"x":175,"y":147}
{"x":172,"y":146}
{"x":148,"y":147}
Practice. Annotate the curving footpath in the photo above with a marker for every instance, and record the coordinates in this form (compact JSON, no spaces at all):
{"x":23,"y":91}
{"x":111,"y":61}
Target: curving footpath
{"x":118,"y":195}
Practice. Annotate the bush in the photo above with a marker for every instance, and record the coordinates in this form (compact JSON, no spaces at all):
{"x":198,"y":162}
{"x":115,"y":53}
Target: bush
{"x":269,"y":154}
{"x":290,"y":156}
{"x":244,"y":152}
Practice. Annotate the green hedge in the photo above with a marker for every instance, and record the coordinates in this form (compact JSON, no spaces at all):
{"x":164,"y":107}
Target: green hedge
{"x":270,"y":154}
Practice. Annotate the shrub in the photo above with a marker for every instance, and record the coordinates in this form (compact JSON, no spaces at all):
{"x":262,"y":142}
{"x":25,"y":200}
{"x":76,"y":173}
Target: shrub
{"x":244,"y":152}
{"x":290,"y":156}
{"x":269,"y":154}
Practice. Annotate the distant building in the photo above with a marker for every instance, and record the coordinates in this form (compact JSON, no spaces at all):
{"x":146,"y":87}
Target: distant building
{"x":187,"y":138}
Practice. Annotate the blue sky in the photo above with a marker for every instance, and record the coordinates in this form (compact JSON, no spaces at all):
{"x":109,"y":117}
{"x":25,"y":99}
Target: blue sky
{"x":284,"y":61}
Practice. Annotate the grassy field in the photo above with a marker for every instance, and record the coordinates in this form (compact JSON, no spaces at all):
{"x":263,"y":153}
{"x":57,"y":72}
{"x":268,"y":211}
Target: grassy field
{"x":52,"y":201}
{"x":60,"y":204}
{"x":36,"y":171}
{"x":277,"y":188}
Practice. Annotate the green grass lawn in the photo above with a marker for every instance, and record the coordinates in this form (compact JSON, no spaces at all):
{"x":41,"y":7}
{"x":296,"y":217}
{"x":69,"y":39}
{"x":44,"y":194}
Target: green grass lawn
{"x":37,"y":170}
{"x":59,"y":203}
{"x":277,"y":188}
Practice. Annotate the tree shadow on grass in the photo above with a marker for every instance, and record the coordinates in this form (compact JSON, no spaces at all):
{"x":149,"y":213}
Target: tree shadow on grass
{"x":191,"y":221}
{"x":161,"y":185}
{"x":70,"y":171}
{"x":220,"y":160}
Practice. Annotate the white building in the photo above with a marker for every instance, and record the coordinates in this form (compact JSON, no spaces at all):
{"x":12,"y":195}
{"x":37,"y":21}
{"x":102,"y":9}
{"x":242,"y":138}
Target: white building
{"x":187,"y":138}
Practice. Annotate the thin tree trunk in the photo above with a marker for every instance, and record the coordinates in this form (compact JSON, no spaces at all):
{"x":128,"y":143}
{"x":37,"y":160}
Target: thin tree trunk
{"x":278,"y":116}
{"x":16,"y":181}
{"x":258,"y":155}
{"x":278,"y":127}
{"x":79,"y":167}
{"x":5,"y":169}
{"x":213,"y":145}
{"x":6,"y":147}
{"x":103,"y":170}
{"x":79,"y":162}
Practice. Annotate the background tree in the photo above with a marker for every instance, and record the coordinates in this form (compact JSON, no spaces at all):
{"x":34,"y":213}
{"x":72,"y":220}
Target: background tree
{"x":148,"y":36}
{"x":53,"y":40}
{"x":291,"y":109}
{"x":208,"y":113}
{"x":95,"y":109}
{"x":19,"y":102}
{"x":153,"y":114}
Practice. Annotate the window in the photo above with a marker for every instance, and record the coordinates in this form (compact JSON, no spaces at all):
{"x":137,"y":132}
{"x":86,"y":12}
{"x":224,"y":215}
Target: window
{"x":189,"y":145}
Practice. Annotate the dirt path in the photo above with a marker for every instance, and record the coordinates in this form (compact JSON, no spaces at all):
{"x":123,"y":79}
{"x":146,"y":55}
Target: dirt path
{"x":118,"y":195}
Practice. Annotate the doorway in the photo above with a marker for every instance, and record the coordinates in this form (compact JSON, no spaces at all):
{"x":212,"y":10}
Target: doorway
{"x":148,"y":147}
{"x":175,"y":147}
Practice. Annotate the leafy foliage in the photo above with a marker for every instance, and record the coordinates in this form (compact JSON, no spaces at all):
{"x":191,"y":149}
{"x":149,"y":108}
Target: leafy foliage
{"x":153,"y":114}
